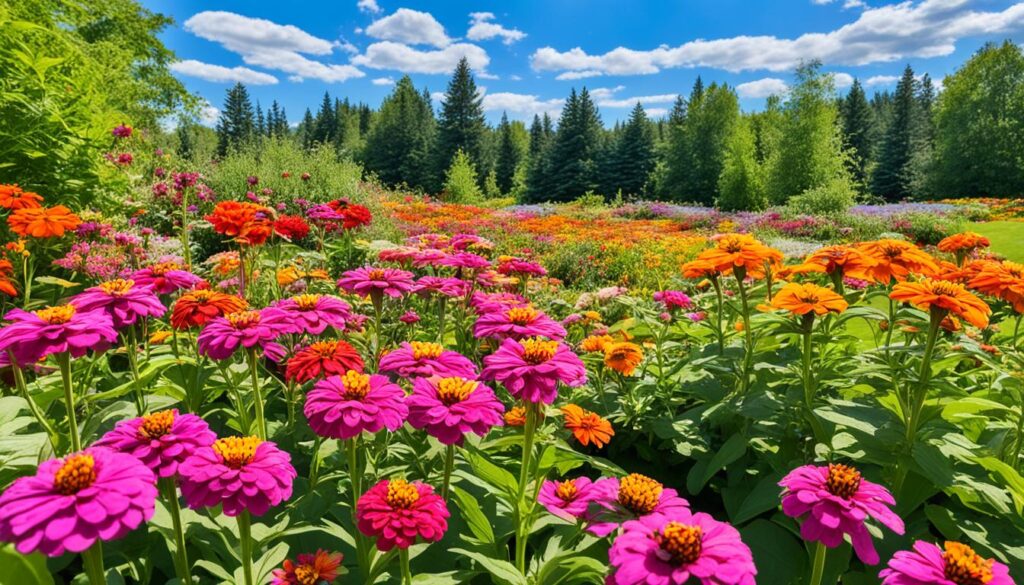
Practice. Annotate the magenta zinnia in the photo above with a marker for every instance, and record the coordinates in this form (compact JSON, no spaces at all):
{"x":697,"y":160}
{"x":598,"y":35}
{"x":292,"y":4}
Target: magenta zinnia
{"x":673,"y":299}
{"x":341,"y":407}
{"x":398,"y":512}
{"x":448,"y":287}
{"x":632,"y":497}
{"x":162,"y":440}
{"x":518,"y":323}
{"x":165,"y":277}
{"x":568,"y":499}
{"x":370,"y":281}
{"x":673,"y":549}
{"x":834,"y":500}
{"x":532,"y":368}
{"x":954,"y":564}
{"x":308,"y":313}
{"x":448,"y":408}
{"x":70,"y":503}
{"x":425,"y":359}
{"x":122,"y":300}
{"x":242,"y":473}
{"x":223,"y":335}
{"x":37,"y":334}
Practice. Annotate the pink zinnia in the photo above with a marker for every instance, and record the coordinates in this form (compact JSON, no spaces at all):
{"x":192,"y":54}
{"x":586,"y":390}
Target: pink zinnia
{"x":35,"y":335}
{"x":532,"y":368}
{"x":449,"y":287}
{"x":954,"y":564}
{"x":673,"y":299}
{"x":70,"y":503}
{"x":519,"y":266}
{"x":401,"y":255}
{"x":485,"y":303}
{"x":568,"y":499}
{"x":165,"y":278}
{"x":122,"y":300}
{"x":370,"y":281}
{"x":162,"y":440}
{"x":410,"y":317}
{"x":834,"y":500}
{"x":311,"y":314}
{"x":398,"y":512}
{"x":466,"y":260}
{"x":448,"y":408}
{"x":341,"y":407}
{"x":518,"y":323}
{"x":223,"y":335}
{"x":632,"y":497}
{"x":673,"y":549}
{"x":428,"y":257}
{"x":425,"y":359}
{"x":242,"y":473}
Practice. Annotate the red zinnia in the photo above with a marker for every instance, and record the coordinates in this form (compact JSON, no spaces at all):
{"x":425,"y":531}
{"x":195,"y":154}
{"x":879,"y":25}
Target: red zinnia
{"x":323,"y":358}
{"x":291,"y":227}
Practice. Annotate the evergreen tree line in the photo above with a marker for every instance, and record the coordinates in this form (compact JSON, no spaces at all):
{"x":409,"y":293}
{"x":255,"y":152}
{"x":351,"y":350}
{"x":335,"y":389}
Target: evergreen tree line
{"x":913,"y":142}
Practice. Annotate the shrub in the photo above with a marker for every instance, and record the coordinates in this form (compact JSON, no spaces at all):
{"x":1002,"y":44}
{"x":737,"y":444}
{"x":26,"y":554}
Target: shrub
{"x":831,"y":199}
{"x":460,"y":182}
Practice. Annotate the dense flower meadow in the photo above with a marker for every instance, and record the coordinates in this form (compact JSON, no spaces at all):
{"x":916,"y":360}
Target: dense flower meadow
{"x":302,"y":407}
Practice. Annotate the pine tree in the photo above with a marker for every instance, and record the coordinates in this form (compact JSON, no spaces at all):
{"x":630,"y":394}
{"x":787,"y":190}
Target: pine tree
{"x":509,"y":156}
{"x":461,"y":124}
{"x":185,"y":146}
{"x":236,"y":125}
{"x":399,"y":143}
{"x":536,"y":177}
{"x":261,"y":125}
{"x":857,"y":132}
{"x":576,"y":147}
{"x":892,"y":176}
{"x":326,"y":123}
{"x":306,"y":128}
{"x":710,"y":117}
{"x":460,"y":180}
{"x":634,"y":154}
{"x":676,"y":157}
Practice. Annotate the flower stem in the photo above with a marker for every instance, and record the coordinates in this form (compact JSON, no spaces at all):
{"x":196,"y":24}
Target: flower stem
{"x":257,"y":395}
{"x":19,"y":383}
{"x":245,"y":544}
{"x":92,"y":561}
{"x":169,"y":491}
{"x":718,"y":315}
{"x":243,"y":412}
{"x":748,"y":352}
{"x":818,"y":568}
{"x":440,"y":319}
{"x":403,"y":559}
{"x":809,"y":385}
{"x":64,"y":359}
{"x":449,"y":463}
{"x":130,"y":348}
{"x":920,"y":393}
{"x":524,"y":475}
{"x":356,"y":477}
{"x":185,"y":247}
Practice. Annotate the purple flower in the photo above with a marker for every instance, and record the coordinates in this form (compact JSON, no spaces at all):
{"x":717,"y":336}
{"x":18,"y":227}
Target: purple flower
{"x":240,"y":473}
{"x":448,"y":408}
{"x":162,"y":440}
{"x":122,"y":300}
{"x":424,"y":359}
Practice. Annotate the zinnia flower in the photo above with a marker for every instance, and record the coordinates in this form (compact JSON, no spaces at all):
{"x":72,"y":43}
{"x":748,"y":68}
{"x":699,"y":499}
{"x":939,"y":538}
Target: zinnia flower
{"x":35,"y":335}
{"x":673,"y":299}
{"x":341,"y":407}
{"x":165,"y":278}
{"x":963,"y":243}
{"x":633,"y":497}
{"x":700,"y":269}
{"x":515,"y":417}
{"x":448,"y":408}
{"x":369,"y":281}
{"x":43,"y":222}
{"x":71,"y":503}
{"x":424,"y":359}
{"x":223,"y":335}
{"x":520,"y":267}
{"x":954,"y":564}
{"x":587,"y":426}
{"x":241,"y":473}
{"x":896,"y":259}
{"x":6,"y":284}
{"x":567,"y":499}
{"x":316,"y":569}
{"x":842,"y":259}
{"x":944,"y":297}
{"x":292,"y":227}
{"x":244,"y":222}
{"x":307,"y":313}
{"x":162,"y":440}
{"x":321,"y":359}
{"x":196,"y":308}
{"x":12,"y":197}
{"x":398,"y":512}
{"x":801,"y":299}
{"x":449,"y":287}
{"x":595,"y":343}
{"x":740,"y":251}
{"x":623,"y":357}
{"x":1004,"y":280}
{"x":484,"y":303}
{"x":678,"y":548}
{"x":834,"y":500}
{"x":532,"y":368}
{"x":122,"y":300}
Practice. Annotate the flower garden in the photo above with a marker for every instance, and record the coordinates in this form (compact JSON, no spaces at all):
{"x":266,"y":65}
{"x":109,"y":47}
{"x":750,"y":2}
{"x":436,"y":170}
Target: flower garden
{"x":277,"y":385}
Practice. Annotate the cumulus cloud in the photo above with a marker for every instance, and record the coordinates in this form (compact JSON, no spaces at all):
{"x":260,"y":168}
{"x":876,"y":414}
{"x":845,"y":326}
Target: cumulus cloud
{"x":665,"y":98}
{"x":929,"y":28}
{"x":218,"y":74}
{"x":521,"y":106}
{"x":400,"y":57}
{"x":605,"y":93}
{"x":383,"y":81}
{"x":842,"y":80}
{"x":656,"y":112}
{"x":762,"y":88}
{"x":369,"y":6}
{"x":409,"y":26}
{"x":481,"y":29}
{"x":881,"y":80}
{"x":208,"y":115}
{"x":569,"y":75}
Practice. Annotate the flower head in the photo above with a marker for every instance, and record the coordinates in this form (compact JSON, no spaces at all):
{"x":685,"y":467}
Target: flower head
{"x":308,"y":313}
{"x":122,"y":300}
{"x":532,"y":368}
{"x":309,"y":569}
{"x":954,"y":564}
{"x":368,"y":281}
{"x":196,"y":308}
{"x":34,"y":335}
{"x":162,"y":440}
{"x":165,"y":278}
{"x":588,"y":427}
{"x":740,"y":251}
{"x":244,"y":222}
{"x":425,"y":359}
{"x":516,"y":417}
{"x":43,"y":222}
{"x":518,"y":323}
{"x":623,"y":357}
{"x":398,"y":513}
{"x":448,"y":408}
{"x":341,"y":407}
{"x":631,"y":497}
{"x":331,"y":357}
{"x":673,"y":299}
{"x":834,"y":500}
{"x":1004,"y":280}
{"x":567,"y":499}
{"x":802,"y":299}
{"x":223,"y":335}
{"x":896,"y":259}
{"x":963,"y":243}
{"x":595,"y":343}
{"x":70,"y":503}
{"x":847,"y":261}
{"x":448,"y":287}
{"x":519,"y":267}
{"x":945,"y":297}
{"x":241,"y":473}
{"x":291,"y":227}
{"x":12,"y":197}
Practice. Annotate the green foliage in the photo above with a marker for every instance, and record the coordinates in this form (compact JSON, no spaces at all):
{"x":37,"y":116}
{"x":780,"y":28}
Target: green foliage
{"x":461,"y":124}
{"x":831,"y":199}
{"x":741,"y":184}
{"x":460,"y":182}
{"x":572,"y":167}
{"x":630,"y":160}
{"x":893,"y":176}
{"x":236,"y":127}
{"x":511,"y":154}
{"x":399,"y":143}
{"x":858,"y":121}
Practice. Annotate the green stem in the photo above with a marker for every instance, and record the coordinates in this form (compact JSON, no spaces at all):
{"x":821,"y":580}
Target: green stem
{"x":19,"y":383}
{"x":718,"y":314}
{"x":356,"y":477}
{"x":818,"y":568}
{"x":748,"y":352}
{"x":1016,"y":330}
{"x":892,"y":324}
{"x":133,"y":362}
{"x":449,"y":464}
{"x":64,"y":359}
{"x":919,"y":394}
{"x":245,"y":545}
{"x":92,"y":562}
{"x":440,"y":319}
{"x":524,"y":475}
{"x":185,"y":248}
{"x":257,"y":395}
{"x":243,"y":412}
{"x":403,"y":559}
{"x":169,"y":491}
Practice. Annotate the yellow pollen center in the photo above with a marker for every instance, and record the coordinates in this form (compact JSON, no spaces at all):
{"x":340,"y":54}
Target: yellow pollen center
{"x":237,"y":451}
{"x":426,"y":350}
{"x":964,"y":566}
{"x":945,"y":288}
{"x":639,"y":493}
{"x":453,"y":390}
{"x":843,"y":480}
{"x":157,"y":424}
{"x":682,"y":542}
{"x":323,"y":349}
{"x":376,"y":274}
{"x":402,"y":494}
{"x":306,"y":575}
{"x":537,"y":351}
{"x":306,"y":302}
{"x":163,"y":268}
{"x":357,"y":385}
{"x":521,"y":315}
{"x":117,"y":287}
{"x":566,"y":490}
{"x":202,"y":295}
{"x":56,"y":315}
{"x":243,"y":319}
{"x":77,"y":473}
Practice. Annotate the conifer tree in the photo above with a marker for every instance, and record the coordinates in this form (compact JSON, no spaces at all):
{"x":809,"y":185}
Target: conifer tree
{"x":634,"y":154}
{"x":858,"y":120}
{"x":892,"y":177}
{"x":399,"y":144}
{"x":576,"y":147}
{"x":236,"y":125}
{"x":509,"y":156}
{"x":461,"y":125}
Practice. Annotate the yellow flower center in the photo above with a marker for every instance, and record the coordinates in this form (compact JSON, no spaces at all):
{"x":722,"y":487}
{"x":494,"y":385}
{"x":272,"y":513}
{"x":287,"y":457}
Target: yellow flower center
{"x":357,"y":385}
{"x":117,"y":287}
{"x":639,"y":493}
{"x":306,"y":302}
{"x":157,"y":424}
{"x":843,"y":480}
{"x":964,"y":566}
{"x":243,"y":319}
{"x":537,"y":351}
{"x":521,"y":315}
{"x":402,"y":494}
{"x":163,"y":268}
{"x":375,"y":274}
{"x":77,"y":473}
{"x":237,"y":451}
{"x":945,"y":288}
{"x":307,"y":575}
{"x":202,"y":295}
{"x":453,"y":390}
{"x":324,"y":349}
{"x":682,"y":542}
{"x":57,"y":315}
{"x":426,"y":350}
{"x":566,"y":490}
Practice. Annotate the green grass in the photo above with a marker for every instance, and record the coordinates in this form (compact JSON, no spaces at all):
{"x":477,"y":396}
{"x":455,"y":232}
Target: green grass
{"x":1007,"y":237}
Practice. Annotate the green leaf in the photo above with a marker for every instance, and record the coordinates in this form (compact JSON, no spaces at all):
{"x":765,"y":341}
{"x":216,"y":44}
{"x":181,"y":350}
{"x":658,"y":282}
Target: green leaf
{"x":732,"y":450}
{"x":23,"y":569}
{"x":764,"y":497}
{"x":502,"y":572}
{"x":491,"y":473}
{"x":473,"y":515}
{"x":771,"y":543}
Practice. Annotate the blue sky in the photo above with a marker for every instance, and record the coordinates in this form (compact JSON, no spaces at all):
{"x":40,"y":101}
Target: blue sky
{"x":528,"y":55}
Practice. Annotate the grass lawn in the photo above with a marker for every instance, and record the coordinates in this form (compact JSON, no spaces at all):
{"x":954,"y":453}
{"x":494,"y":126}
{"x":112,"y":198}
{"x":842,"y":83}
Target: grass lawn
{"x":1007,"y":237}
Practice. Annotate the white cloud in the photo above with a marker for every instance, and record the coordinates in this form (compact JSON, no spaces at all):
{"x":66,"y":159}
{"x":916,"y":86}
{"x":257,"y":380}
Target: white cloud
{"x":666,"y":98}
{"x":605,"y":93}
{"x":218,"y":74}
{"x":578,"y":74}
{"x":409,"y":26}
{"x":389,"y":55}
{"x":208,"y":115}
{"x":301,"y":68}
{"x":656,"y":112}
{"x":369,"y":6}
{"x":762,"y":88}
{"x":929,"y":28}
{"x":853,"y":4}
{"x":486,"y":75}
{"x":514,"y":78}
{"x":481,"y":29}
{"x":881,"y":80}
{"x":383,"y":81}
{"x":521,"y":106}
{"x":348,"y":47}
{"x":842,"y":80}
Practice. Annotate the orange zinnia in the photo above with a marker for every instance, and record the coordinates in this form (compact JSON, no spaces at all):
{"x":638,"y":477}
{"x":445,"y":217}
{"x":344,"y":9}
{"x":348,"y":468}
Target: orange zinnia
{"x":12,"y":197}
{"x":1004,"y":280}
{"x":801,"y":299}
{"x":43,"y":222}
{"x":623,"y":357}
{"x":965,"y":242}
{"x":595,"y":343}
{"x":244,"y":222}
{"x":197,"y":307}
{"x":699,"y":269}
{"x":587,"y":426}
{"x":844,"y":259}
{"x":896,"y":259}
{"x":943,"y":297}
{"x":515,"y":417}
{"x":742,"y":252}
{"x":6,"y":284}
